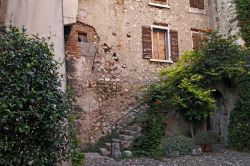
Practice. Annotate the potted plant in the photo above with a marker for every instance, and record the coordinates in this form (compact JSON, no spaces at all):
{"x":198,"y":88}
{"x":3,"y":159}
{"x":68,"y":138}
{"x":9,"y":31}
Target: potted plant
{"x":205,"y":139}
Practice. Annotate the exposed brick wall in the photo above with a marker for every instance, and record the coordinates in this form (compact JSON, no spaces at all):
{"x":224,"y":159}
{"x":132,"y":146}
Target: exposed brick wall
{"x":72,"y":43}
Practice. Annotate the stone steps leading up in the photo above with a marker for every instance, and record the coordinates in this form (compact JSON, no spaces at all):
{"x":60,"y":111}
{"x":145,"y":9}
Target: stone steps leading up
{"x":124,"y":141}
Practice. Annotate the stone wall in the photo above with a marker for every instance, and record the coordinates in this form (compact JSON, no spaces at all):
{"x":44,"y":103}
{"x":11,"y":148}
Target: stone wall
{"x":108,"y":71}
{"x":223,"y":15}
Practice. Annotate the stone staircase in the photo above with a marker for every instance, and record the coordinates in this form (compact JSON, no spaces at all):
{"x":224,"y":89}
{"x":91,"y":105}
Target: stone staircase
{"x":123,"y":142}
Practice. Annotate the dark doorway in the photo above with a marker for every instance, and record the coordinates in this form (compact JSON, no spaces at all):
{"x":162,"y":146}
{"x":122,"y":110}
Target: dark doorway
{"x":216,"y":122}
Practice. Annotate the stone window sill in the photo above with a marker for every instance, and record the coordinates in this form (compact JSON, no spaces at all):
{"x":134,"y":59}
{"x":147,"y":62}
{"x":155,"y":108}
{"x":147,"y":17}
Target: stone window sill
{"x":164,"y":61}
{"x":197,"y":11}
{"x":159,"y":5}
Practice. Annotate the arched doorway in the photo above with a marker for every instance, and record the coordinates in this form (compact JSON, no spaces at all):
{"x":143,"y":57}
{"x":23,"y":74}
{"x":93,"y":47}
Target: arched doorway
{"x":216,"y":122}
{"x":225,"y":101}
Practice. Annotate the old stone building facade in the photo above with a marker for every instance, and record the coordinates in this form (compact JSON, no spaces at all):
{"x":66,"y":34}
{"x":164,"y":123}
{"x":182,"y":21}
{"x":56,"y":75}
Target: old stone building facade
{"x":115,"y":47}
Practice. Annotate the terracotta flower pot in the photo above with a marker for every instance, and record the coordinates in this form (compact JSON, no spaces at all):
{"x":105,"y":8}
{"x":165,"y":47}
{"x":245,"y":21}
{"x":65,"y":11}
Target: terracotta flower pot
{"x":206,"y":148}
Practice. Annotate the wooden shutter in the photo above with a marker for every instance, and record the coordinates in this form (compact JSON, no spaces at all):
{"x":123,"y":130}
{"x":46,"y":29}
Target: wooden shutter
{"x":193,"y":3}
{"x":146,"y":42}
{"x":197,"y":4}
{"x":200,"y":4}
{"x":196,"y":41}
{"x":174,"y":45}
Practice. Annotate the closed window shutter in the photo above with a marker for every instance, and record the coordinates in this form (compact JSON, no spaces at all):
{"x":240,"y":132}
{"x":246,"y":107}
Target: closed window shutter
{"x":200,"y":4}
{"x":146,"y":42}
{"x":174,"y":45}
{"x":196,"y":41}
{"x":193,"y":3}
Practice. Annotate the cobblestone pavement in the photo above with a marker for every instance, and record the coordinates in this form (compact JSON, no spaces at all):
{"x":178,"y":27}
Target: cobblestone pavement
{"x":221,"y":158}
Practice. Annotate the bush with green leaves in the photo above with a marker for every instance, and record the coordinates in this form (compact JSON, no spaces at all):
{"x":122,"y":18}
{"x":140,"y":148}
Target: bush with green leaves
{"x":243,"y":7}
{"x":33,"y":109}
{"x":148,"y":144}
{"x":178,"y":145}
{"x":206,"y":137}
{"x":186,"y":86}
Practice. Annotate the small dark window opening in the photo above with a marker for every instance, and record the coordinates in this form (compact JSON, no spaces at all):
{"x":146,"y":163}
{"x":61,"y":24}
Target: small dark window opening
{"x":82,"y":37}
{"x":67,"y":30}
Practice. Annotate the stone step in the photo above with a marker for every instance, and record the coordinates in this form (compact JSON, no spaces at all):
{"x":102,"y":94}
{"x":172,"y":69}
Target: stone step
{"x":105,"y":152}
{"x":116,"y":140}
{"x":123,"y":143}
{"x":126,"y":144}
{"x":125,"y":137}
{"x":108,"y":146}
{"x":130,"y":132}
{"x":135,"y":128}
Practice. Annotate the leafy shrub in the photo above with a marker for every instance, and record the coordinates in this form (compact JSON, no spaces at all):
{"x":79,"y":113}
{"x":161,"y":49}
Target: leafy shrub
{"x":244,"y":19}
{"x":186,"y":86}
{"x":33,"y":109}
{"x":239,"y":127}
{"x":178,"y":145}
{"x":149,"y":143}
{"x":206,"y":137}
{"x":76,"y":154}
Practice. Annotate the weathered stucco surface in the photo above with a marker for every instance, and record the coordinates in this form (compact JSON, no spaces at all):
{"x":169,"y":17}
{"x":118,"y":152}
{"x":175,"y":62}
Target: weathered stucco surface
{"x":43,"y":17}
{"x":3,"y":8}
{"x":70,"y":9}
{"x":110,"y":81}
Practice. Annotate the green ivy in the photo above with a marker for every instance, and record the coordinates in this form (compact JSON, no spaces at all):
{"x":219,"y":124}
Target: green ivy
{"x":76,"y":154}
{"x":148,"y":144}
{"x":243,"y":7}
{"x":33,"y":109}
{"x":186,"y":85}
{"x":239,"y":128}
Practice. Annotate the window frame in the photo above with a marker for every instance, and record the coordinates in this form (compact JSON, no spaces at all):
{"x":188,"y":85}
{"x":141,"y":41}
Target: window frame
{"x":197,"y":10}
{"x":200,"y":32}
{"x":159,"y":5}
{"x":168,"y":49}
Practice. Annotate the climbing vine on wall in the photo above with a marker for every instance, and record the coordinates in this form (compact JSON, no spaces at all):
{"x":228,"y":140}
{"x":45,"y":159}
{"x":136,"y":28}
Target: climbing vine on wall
{"x":243,"y":10}
{"x":185,"y":86}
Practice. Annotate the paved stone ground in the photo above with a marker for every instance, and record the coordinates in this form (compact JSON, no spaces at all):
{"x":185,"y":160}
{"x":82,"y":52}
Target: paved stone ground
{"x":221,"y":158}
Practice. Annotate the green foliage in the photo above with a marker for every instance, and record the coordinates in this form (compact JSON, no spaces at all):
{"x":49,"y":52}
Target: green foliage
{"x":76,"y":154}
{"x":239,"y":128}
{"x":186,"y":85}
{"x":178,"y":145}
{"x":243,"y":7}
{"x":149,"y":143}
{"x":33,"y":109}
{"x":207,"y":137}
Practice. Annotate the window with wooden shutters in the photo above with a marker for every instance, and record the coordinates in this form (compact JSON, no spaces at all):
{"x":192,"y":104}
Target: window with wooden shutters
{"x":197,"y":37}
{"x":160,"y":44}
{"x":197,"y":4}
